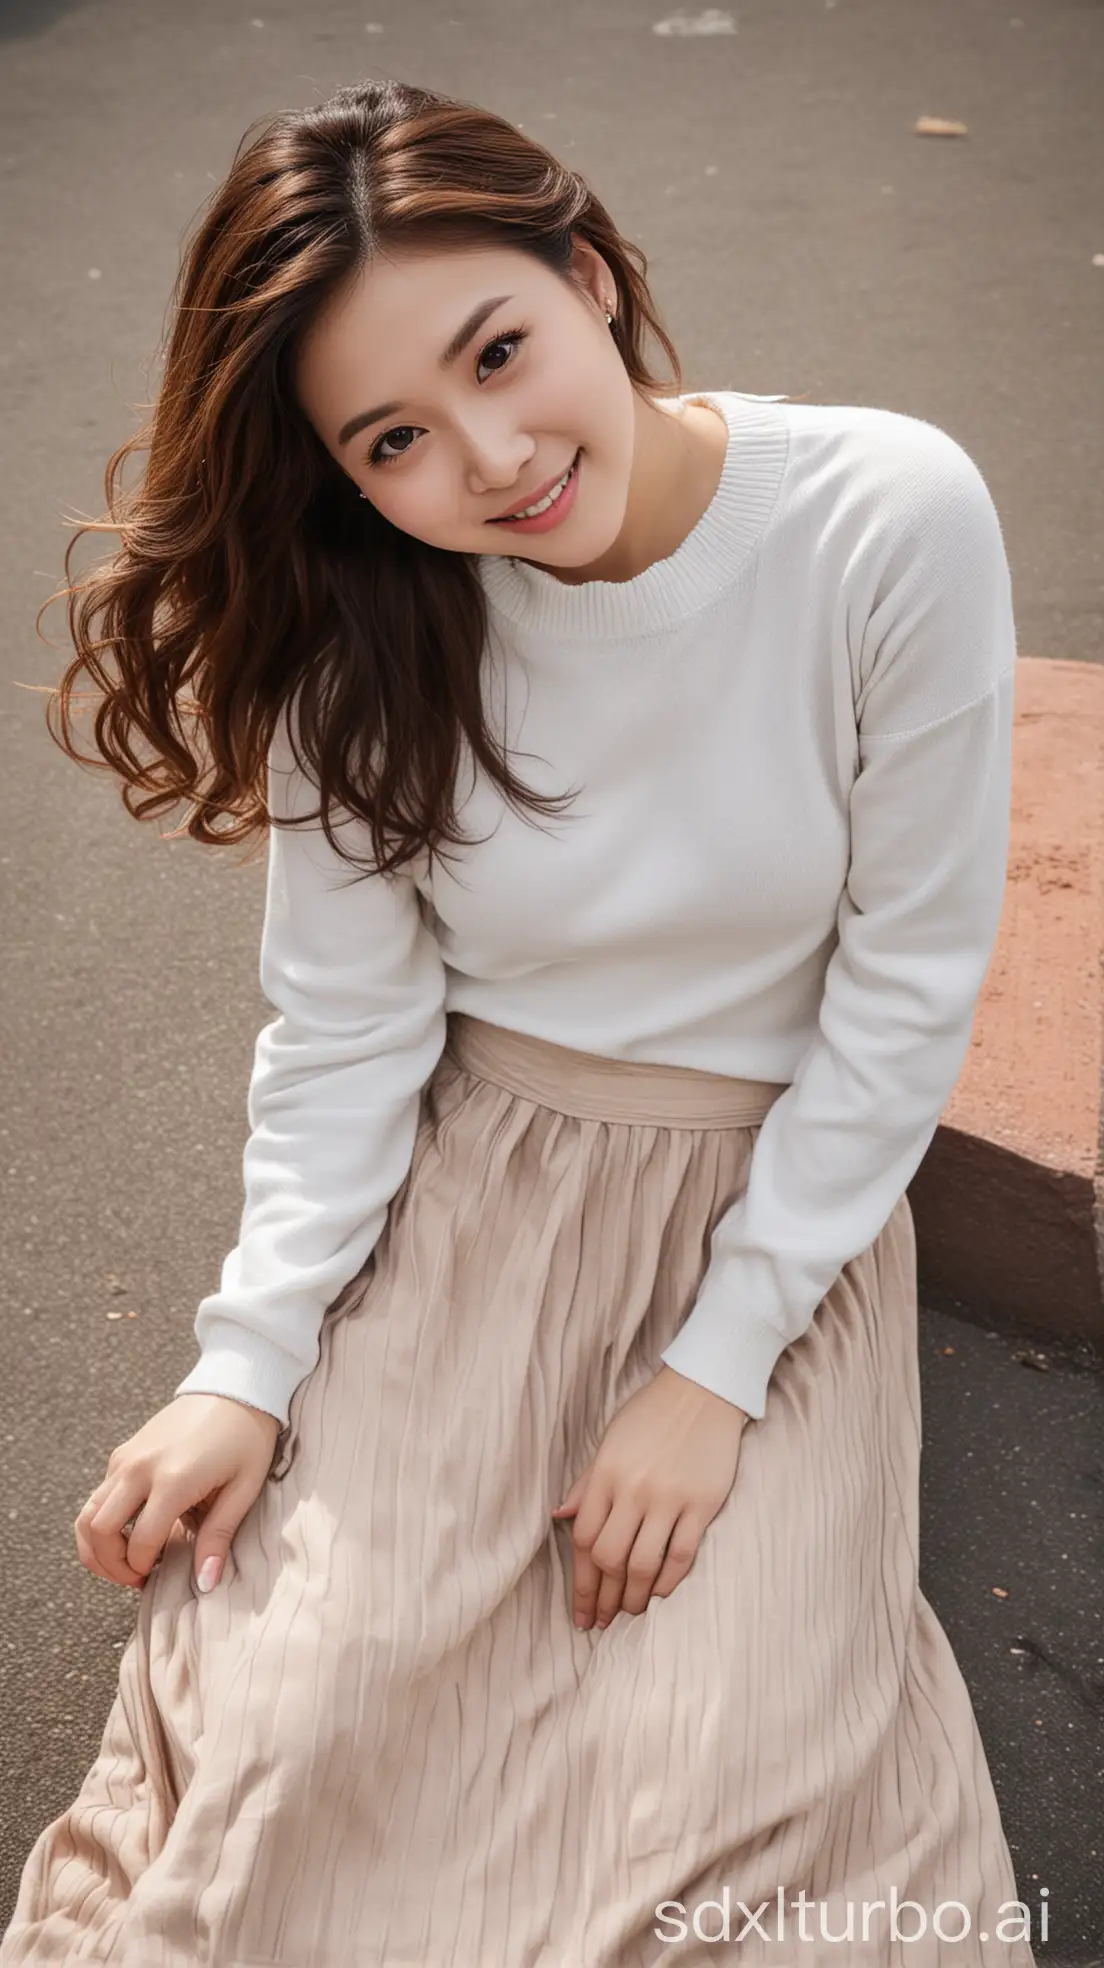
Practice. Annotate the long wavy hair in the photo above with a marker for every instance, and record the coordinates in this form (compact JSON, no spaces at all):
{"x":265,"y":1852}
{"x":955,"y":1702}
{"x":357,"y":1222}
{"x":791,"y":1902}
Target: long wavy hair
{"x":249,"y":579}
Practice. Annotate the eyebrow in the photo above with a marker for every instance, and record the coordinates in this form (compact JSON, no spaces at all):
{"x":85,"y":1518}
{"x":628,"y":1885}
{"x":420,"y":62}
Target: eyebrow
{"x":455,"y":348}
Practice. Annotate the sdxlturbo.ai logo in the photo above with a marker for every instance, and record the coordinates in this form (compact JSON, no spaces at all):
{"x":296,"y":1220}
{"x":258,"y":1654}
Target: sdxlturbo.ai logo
{"x":901,"y":1920}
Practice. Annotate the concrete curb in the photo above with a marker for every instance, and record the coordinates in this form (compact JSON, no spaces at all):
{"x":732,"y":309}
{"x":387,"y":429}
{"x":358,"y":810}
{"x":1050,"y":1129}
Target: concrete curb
{"x":1009,"y":1200}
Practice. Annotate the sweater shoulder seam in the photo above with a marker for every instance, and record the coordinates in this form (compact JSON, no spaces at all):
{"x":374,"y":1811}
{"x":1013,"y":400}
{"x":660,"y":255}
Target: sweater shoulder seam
{"x":917,"y":730}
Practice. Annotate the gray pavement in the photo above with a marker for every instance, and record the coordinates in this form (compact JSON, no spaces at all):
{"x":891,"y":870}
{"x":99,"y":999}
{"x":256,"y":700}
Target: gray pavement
{"x":800,"y":238}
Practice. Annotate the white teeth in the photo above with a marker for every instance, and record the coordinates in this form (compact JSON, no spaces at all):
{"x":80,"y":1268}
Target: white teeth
{"x":530,"y":512}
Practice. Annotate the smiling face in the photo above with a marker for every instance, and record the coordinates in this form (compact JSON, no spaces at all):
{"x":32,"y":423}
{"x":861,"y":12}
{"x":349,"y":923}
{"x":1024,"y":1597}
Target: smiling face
{"x":458,"y":436}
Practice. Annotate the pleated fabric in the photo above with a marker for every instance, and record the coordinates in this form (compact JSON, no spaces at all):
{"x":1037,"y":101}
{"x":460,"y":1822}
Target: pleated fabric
{"x":380,"y":1742}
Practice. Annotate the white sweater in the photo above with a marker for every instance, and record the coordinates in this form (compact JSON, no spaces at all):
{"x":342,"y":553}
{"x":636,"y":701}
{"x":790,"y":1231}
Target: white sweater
{"x":786,"y":861}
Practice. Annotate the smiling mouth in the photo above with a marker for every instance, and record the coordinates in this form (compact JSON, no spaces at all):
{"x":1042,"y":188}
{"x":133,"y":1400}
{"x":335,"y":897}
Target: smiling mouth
{"x":538,"y":506}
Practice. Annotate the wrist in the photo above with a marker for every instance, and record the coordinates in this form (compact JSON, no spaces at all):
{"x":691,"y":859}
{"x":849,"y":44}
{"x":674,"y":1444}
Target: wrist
{"x":698,"y":1396}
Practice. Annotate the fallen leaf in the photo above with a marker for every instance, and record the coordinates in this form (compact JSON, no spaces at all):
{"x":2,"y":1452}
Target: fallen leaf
{"x":938,"y":126}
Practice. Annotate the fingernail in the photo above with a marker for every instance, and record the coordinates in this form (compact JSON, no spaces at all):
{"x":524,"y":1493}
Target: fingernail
{"x":209,"y":1574}
{"x":580,"y":1619}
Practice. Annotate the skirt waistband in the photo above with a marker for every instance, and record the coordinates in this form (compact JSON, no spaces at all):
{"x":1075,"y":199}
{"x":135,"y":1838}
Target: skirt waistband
{"x":594,"y":1088}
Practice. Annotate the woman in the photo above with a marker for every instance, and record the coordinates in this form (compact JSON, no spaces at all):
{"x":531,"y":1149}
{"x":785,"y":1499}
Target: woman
{"x":554,"y":1437}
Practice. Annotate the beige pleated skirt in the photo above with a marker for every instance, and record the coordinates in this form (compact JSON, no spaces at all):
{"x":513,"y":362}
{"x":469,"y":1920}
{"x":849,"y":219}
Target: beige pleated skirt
{"x":380,"y":1742}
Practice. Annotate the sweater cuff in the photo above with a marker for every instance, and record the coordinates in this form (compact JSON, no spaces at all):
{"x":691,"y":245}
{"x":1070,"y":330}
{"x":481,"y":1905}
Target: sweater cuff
{"x":246,"y":1367}
{"x":728,"y":1350}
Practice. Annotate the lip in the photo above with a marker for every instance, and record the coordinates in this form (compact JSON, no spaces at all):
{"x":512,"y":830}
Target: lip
{"x":531,"y":498}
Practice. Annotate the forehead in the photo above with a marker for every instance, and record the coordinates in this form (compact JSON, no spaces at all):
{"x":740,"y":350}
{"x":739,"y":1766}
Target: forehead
{"x":383,"y":333}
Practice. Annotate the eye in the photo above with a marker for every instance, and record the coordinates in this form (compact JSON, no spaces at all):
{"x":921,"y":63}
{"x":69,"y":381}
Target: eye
{"x":512,"y":335}
{"x":376,"y":456}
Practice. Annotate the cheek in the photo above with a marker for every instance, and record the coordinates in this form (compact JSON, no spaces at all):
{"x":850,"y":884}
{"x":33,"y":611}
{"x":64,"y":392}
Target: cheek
{"x":419,"y":504}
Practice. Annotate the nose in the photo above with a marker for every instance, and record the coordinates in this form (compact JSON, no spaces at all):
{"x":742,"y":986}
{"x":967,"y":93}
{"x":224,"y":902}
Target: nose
{"x":496,"y":463}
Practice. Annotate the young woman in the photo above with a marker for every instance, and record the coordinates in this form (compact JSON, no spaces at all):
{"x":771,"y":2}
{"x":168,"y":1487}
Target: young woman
{"x":554,"y":1438}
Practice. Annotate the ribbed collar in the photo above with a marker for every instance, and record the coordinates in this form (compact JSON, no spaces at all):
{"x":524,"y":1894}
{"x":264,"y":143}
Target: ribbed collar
{"x":710,"y":558}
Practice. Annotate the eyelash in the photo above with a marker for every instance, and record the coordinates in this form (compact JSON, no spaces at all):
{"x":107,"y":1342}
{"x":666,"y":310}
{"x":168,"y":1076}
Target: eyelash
{"x":375,"y":457}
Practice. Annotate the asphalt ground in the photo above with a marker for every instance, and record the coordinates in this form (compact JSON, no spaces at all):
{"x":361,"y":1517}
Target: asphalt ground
{"x":800,"y":238}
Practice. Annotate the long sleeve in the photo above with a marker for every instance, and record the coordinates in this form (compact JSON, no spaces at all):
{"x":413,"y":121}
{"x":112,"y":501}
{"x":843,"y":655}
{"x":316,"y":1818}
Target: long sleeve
{"x":358,"y":983}
{"x":917,"y":922}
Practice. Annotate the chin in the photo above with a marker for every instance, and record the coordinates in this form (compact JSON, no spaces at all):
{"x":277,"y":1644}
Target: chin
{"x":596,"y":549}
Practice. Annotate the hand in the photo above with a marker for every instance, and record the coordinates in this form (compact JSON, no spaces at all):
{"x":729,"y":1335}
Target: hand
{"x":203,"y":1459}
{"x":664,"y":1467}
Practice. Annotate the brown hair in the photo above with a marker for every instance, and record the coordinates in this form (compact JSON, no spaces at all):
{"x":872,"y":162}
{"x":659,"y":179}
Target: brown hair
{"x":249,"y":573}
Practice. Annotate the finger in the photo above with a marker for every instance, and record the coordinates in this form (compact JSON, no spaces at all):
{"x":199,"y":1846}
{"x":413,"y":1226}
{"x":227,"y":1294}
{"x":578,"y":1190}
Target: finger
{"x":96,"y":1561}
{"x":145,"y":1532}
{"x":192,"y":1518}
{"x":682,"y":1549}
{"x":611,"y":1552}
{"x":586,"y":1580}
{"x":126,"y":1556}
{"x":586,"y":1574}
{"x":574,"y":1496}
{"x":88,"y":1558}
{"x":646,"y":1560}
{"x":570,"y":1502}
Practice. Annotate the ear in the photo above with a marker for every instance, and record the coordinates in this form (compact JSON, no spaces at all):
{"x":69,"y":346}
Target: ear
{"x":591,"y":274}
